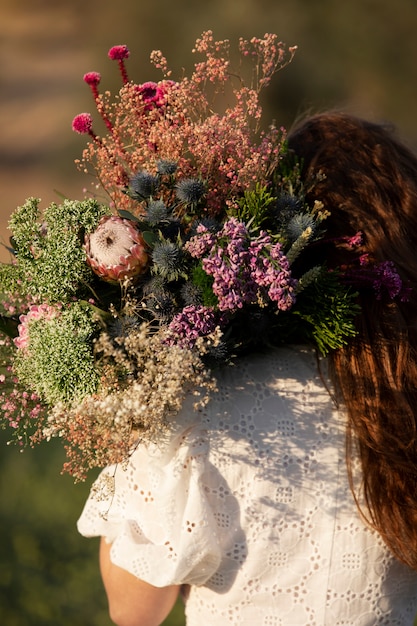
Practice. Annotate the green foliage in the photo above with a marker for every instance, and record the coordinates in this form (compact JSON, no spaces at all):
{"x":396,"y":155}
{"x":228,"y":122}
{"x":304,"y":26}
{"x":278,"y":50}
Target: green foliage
{"x":253,"y":208}
{"x":59,"y":364}
{"x":49,"y":248}
{"x":205,"y":283}
{"x":329,"y":310}
{"x":49,"y":574}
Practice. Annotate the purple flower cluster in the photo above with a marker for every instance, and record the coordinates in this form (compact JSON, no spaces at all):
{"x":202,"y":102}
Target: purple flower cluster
{"x":387,"y":277}
{"x":243,"y":268}
{"x":193,"y":322}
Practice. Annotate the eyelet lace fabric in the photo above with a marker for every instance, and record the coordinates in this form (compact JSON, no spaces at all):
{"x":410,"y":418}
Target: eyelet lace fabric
{"x":249,"y":503}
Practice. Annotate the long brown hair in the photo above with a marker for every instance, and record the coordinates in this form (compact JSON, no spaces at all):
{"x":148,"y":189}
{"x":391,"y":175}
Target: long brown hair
{"x":370,"y":185}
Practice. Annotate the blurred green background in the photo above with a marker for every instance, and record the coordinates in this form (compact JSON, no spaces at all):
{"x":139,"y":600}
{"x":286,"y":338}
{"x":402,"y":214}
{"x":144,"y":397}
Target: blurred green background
{"x":360,"y":55}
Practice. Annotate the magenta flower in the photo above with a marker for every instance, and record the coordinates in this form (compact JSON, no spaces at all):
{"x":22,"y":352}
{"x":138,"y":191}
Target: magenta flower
{"x":193,"y":322}
{"x":93,"y":80}
{"x":119,"y":54}
{"x":152,"y":95}
{"x":83,"y":124}
{"x":116,"y":250}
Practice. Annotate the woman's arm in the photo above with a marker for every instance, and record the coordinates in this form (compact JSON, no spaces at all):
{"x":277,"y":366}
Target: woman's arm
{"x":133,"y":602}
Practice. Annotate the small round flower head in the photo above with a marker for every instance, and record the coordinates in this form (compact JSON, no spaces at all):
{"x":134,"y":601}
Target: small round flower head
{"x":166,"y":167}
{"x":122,"y":326}
{"x":191,"y":294}
{"x":83,"y":123}
{"x":162,"y":305}
{"x":298,"y":224}
{"x":167,"y":258}
{"x":117,"y":53}
{"x":143,"y":185}
{"x":190,"y":190}
{"x":156,"y":212}
{"x":92,"y":78}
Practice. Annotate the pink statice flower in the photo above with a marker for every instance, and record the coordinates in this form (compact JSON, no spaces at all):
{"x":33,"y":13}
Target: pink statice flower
{"x":243,"y":268}
{"x":190,"y":324}
{"x":93,"y":80}
{"x":83,"y":125}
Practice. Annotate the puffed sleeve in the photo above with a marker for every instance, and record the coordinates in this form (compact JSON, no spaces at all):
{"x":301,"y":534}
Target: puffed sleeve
{"x":155,"y":512}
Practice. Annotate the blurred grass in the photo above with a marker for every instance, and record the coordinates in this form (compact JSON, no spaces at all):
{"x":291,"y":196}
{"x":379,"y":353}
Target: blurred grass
{"x":49,"y":574}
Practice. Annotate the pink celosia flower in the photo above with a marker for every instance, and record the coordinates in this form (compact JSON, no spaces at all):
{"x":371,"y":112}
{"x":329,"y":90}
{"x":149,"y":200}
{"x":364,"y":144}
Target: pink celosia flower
{"x":116,"y":250}
{"x":36,"y":312}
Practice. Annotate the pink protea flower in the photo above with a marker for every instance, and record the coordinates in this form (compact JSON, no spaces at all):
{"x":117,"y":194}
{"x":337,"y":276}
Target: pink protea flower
{"x":116,"y":250}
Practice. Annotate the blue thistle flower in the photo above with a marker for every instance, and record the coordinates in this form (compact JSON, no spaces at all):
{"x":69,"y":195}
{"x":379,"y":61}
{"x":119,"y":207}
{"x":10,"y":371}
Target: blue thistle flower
{"x":143,"y":185}
{"x":286,"y":207}
{"x":190,"y":190}
{"x":156,"y":212}
{"x":191,"y":294}
{"x":212,"y":225}
{"x":167,"y":260}
{"x":166,"y":167}
{"x":162,"y":305}
{"x":298,"y":224}
{"x":122,"y":326}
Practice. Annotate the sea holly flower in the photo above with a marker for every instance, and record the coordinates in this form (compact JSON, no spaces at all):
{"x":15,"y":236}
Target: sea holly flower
{"x":116,"y":250}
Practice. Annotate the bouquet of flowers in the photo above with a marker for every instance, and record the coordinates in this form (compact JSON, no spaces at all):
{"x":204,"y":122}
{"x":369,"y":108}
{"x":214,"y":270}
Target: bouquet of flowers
{"x":117,"y":307}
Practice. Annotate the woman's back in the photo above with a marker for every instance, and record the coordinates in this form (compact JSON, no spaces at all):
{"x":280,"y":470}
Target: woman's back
{"x":252,"y":507}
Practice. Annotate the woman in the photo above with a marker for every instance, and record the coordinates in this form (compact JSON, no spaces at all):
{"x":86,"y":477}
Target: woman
{"x":256,"y":505}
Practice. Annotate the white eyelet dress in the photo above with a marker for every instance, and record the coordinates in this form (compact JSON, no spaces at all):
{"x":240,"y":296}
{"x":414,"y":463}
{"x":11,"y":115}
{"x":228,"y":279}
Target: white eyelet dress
{"x":249,"y":503}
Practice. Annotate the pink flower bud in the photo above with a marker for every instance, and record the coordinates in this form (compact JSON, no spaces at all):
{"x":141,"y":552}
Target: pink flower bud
{"x":83,"y":124}
{"x":92,"y":78}
{"x":117,"y":53}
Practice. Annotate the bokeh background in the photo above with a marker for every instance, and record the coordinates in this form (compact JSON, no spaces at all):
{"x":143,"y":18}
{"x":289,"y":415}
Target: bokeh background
{"x":359,"y":55}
